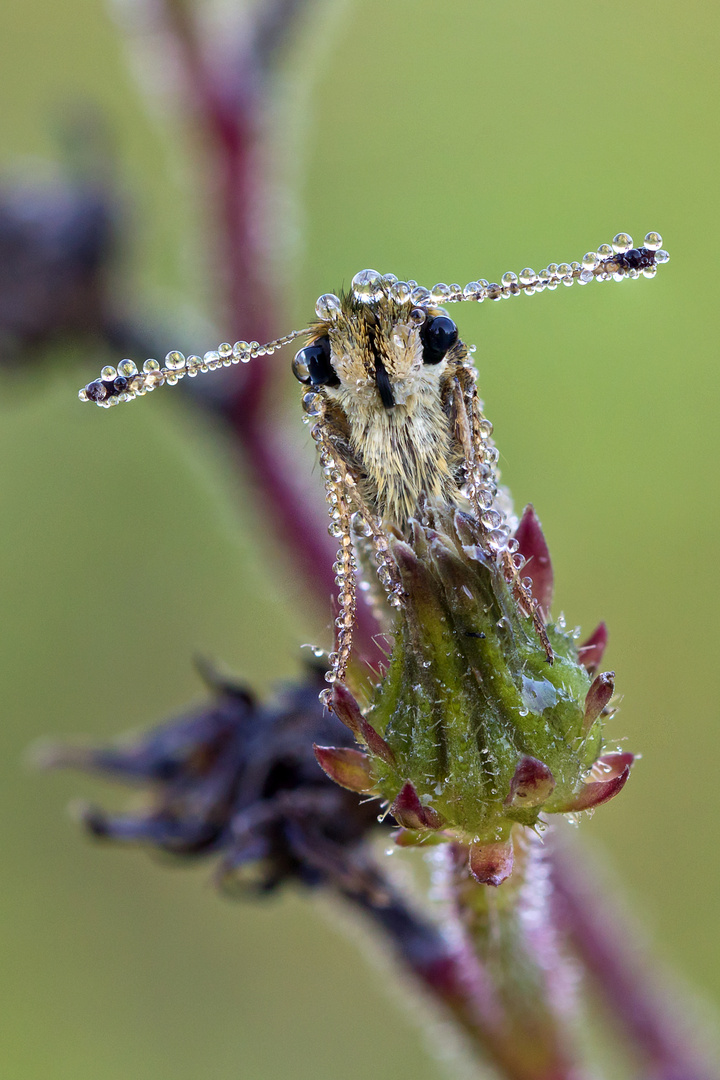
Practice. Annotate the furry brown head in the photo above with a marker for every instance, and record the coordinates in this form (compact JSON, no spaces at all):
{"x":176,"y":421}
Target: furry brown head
{"x":387,"y":370}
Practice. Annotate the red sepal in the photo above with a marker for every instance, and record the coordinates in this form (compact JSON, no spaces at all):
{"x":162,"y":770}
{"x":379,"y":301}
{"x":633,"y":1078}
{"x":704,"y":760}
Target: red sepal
{"x":538,"y":567}
{"x":409,"y":812}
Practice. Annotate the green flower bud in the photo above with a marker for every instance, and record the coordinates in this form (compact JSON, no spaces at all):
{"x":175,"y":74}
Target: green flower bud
{"x":473,"y":729}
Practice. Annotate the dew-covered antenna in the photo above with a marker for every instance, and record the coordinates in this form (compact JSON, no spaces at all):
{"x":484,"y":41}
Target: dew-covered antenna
{"x":611,"y":262}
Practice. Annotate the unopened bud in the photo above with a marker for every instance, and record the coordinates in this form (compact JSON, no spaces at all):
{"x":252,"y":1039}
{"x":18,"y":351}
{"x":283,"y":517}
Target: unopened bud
{"x":491,"y":864}
{"x":349,"y":768}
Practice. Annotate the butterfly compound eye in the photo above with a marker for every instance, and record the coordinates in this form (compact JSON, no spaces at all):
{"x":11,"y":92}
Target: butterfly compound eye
{"x":438,"y":336}
{"x":312,"y":365}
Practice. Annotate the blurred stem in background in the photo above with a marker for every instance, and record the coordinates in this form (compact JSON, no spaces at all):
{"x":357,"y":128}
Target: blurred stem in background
{"x":228,"y":99}
{"x":480,"y":963}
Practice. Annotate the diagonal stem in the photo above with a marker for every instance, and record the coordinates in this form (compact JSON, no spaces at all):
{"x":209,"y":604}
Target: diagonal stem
{"x":511,"y":934}
{"x":655,"y":1027}
{"x":228,"y":102}
{"x":440,"y":959}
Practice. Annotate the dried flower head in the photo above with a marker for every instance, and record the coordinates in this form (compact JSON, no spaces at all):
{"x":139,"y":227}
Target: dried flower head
{"x":237,"y":779}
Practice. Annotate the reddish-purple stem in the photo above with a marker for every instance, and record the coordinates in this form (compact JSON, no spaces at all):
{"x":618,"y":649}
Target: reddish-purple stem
{"x":228,"y":100}
{"x":652,"y":1022}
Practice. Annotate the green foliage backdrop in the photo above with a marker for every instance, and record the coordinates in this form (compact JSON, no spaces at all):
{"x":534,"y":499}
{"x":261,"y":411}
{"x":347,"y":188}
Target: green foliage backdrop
{"x":440,"y":142}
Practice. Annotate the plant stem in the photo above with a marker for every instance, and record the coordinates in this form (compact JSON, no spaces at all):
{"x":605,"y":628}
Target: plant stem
{"x":511,"y":934}
{"x":228,"y":101}
{"x":656,"y":1029}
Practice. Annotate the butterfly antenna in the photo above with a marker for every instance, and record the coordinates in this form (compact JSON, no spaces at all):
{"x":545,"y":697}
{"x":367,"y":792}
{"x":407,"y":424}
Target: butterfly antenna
{"x":126,"y":383}
{"x":611,"y":262}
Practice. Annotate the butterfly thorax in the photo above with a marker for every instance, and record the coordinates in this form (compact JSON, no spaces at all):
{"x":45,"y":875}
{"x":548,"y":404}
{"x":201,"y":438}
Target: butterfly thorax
{"x":403,"y":452}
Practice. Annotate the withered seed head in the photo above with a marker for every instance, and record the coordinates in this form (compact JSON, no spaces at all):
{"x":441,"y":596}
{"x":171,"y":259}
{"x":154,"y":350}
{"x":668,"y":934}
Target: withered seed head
{"x":238,"y":779}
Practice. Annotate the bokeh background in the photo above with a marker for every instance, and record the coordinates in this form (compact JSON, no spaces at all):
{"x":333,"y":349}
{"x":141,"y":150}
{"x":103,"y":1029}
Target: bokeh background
{"x":442,"y":142}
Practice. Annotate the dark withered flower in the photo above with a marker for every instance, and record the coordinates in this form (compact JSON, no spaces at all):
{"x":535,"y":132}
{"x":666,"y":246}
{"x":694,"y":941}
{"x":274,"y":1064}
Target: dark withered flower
{"x":237,"y":778}
{"x":56,"y":241}
{"x":59,"y":252}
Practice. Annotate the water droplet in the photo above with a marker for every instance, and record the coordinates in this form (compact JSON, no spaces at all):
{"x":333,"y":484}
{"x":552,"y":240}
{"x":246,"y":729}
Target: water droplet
{"x":367,"y":286}
{"x":400,"y":292}
{"x":95,"y":391}
{"x":328,"y":306}
{"x":312,"y":404}
{"x":496,"y":540}
{"x":420,"y":295}
{"x":621,"y":243}
{"x":360,"y":525}
{"x":439,"y":293}
{"x":653,"y":241}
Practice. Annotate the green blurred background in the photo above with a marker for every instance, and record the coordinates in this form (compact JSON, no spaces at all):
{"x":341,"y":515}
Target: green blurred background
{"x":442,"y":142}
